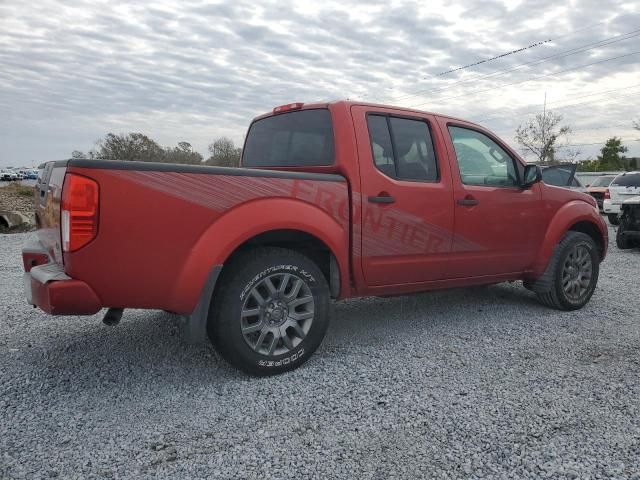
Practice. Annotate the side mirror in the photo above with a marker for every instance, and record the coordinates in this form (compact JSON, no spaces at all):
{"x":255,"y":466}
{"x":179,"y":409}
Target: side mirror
{"x":532,"y":174}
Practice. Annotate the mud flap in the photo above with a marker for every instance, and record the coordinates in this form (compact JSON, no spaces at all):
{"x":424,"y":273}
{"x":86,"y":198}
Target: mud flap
{"x":193,"y":327}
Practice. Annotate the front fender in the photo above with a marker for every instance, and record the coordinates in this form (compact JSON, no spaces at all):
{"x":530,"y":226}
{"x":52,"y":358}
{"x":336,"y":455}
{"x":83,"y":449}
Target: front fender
{"x":567,"y":216}
{"x":246,"y":221}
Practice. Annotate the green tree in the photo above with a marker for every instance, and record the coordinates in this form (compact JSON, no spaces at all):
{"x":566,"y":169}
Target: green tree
{"x":540,"y":135}
{"x":610,"y":157}
{"x":183,"y":153}
{"x":224,"y":153}
{"x":132,"y":146}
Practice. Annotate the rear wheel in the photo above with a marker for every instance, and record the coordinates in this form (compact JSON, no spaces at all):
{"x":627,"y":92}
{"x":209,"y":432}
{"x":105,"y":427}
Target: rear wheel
{"x":575,"y":272}
{"x":271,"y":313}
{"x":613,"y":219}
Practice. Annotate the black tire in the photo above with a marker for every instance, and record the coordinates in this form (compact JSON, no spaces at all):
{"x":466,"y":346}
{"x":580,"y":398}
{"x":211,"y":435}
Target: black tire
{"x":613,"y":219}
{"x":557,"y":297}
{"x":254,"y":272}
{"x":623,"y":242}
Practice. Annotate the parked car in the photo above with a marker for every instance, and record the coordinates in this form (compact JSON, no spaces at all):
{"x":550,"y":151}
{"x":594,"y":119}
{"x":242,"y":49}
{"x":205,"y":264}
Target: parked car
{"x":598,"y":188}
{"x":623,"y":187}
{"x":8,"y":175}
{"x":332,"y":201}
{"x":628,"y":234}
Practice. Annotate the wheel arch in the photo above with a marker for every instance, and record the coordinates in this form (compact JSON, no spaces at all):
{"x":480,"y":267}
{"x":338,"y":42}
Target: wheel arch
{"x":272,"y":222}
{"x":591,"y":229}
{"x":576,"y":216}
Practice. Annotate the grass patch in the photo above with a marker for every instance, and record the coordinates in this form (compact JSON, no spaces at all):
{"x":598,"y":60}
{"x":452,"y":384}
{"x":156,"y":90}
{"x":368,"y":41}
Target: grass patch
{"x":24,"y":191}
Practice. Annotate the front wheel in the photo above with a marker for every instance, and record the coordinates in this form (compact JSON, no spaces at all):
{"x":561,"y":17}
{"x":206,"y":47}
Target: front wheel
{"x":575,"y":269}
{"x":271,"y":313}
{"x":613,"y":219}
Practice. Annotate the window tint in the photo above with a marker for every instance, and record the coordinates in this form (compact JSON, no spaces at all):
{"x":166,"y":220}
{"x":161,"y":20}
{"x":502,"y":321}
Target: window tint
{"x":481,"y":160}
{"x":381,"y":145}
{"x":402,"y":148}
{"x":627,"y":180}
{"x":558,"y":176}
{"x":295,"y":139}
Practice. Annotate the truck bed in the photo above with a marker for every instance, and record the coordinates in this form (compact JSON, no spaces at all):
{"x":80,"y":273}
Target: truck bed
{"x":162,"y":227}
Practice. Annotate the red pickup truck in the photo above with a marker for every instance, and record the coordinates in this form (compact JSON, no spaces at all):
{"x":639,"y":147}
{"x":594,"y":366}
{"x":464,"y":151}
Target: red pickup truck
{"x":333,"y":201}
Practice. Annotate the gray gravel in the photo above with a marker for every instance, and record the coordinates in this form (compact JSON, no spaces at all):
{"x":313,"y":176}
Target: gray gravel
{"x":462,"y":384}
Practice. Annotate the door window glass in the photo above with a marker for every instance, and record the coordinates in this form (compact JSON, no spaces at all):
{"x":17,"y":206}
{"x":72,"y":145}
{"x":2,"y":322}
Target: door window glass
{"x":482,"y":161}
{"x":402,"y":148}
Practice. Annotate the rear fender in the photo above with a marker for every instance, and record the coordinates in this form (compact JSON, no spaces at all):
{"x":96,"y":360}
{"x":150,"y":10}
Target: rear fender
{"x":568,"y":215}
{"x":246,"y":221}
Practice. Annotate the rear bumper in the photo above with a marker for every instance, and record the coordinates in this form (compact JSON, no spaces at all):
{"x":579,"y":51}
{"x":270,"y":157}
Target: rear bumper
{"x":47,"y":287}
{"x":609,"y":207}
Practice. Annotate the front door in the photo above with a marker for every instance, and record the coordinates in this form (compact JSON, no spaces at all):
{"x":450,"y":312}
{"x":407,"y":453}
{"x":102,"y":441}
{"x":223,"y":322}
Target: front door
{"x":498,"y":224}
{"x":406,"y":194}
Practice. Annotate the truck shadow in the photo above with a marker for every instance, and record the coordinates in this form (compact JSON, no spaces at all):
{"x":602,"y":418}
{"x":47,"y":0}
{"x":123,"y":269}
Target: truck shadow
{"x":147,"y":346}
{"x":414,"y":314}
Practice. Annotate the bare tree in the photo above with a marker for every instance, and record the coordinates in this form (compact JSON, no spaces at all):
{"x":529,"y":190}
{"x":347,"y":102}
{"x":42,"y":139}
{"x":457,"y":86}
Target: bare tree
{"x":636,"y":124}
{"x":224,"y":153}
{"x":540,"y":135}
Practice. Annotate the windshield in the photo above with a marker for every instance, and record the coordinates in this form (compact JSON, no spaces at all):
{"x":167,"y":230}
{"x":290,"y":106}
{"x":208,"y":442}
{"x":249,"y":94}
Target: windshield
{"x":602,"y":181}
{"x":295,"y":139}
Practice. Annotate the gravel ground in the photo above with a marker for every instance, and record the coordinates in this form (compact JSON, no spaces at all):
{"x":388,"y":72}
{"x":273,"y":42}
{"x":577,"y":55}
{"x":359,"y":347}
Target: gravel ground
{"x":461,"y":384}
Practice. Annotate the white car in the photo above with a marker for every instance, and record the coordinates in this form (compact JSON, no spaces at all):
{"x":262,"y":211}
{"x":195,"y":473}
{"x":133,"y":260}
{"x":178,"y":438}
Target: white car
{"x":623,"y":187}
{"x":8,"y":175}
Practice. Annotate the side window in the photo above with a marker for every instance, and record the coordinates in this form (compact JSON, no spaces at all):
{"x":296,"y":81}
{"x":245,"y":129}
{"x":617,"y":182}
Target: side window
{"x":381,"y":145}
{"x":402,"y":148}
{"x":481,"y":160}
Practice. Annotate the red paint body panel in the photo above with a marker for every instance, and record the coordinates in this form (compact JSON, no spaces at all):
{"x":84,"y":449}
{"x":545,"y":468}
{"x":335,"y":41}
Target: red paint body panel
{"x":161,"y":232}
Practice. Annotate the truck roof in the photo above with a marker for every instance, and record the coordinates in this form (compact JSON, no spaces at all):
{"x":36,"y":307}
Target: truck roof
{"x":350,"y":103}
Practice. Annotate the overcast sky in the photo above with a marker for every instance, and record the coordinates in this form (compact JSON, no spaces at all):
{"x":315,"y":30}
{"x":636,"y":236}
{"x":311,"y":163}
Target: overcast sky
{"x":74,"y":70}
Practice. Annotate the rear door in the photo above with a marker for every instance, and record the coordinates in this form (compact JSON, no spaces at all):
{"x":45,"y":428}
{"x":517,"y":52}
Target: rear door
{"x":407,"y":214}
{"x":498,"y":224}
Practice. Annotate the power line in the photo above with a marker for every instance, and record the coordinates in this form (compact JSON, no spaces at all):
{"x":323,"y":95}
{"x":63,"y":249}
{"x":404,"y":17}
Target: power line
{"x":532,"y":79}
{"x":566,"y":53}
{"x":596,"y":143}
{"x":498,"y":71}
{"x":563,"y":100}
{"x":561,"y":107}
{"x":513,"y":52}
{"x":628,"y":126}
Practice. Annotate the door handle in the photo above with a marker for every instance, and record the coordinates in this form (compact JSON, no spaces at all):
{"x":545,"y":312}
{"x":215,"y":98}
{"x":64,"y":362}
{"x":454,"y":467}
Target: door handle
{"x":382,"y":199}
{"x":468,"y":201}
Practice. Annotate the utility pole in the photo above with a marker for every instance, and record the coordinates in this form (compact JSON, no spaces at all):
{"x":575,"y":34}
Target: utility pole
{"x":544,"y":123}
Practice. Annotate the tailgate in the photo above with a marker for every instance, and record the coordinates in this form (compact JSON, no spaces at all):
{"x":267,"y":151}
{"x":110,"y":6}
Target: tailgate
{"x":48,"y":195}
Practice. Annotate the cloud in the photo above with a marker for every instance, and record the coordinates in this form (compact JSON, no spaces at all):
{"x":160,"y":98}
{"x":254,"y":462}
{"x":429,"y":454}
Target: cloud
{"x":70,"y":73}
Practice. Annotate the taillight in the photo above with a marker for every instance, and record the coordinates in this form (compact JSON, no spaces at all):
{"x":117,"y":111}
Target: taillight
{"x":288,"y":107}
{"x":607,"y":195}
{"x":79,"y":213}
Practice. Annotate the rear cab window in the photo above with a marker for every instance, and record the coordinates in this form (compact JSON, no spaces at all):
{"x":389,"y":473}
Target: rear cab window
{"x":294,"y":139}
